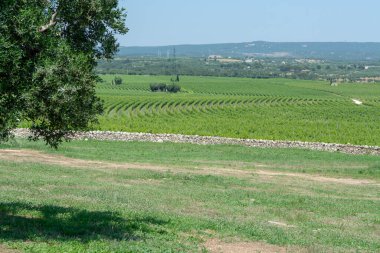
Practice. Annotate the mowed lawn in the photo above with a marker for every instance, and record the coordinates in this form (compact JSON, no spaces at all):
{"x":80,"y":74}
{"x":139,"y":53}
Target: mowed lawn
{"x":92,"y":196}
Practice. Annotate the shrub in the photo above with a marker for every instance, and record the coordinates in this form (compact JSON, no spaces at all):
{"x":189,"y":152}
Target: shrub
{"x":162,"y":87}
{"x":117,"y":80}
{"x":156,"y":87}
{"x":173,"y":88}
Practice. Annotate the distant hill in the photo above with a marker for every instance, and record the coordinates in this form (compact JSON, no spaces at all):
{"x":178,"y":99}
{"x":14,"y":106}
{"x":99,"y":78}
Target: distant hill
{"x":315,"y":50}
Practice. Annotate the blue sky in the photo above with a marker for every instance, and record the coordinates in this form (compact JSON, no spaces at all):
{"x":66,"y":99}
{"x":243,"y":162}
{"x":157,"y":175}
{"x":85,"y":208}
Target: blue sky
{"x":172,"y":22}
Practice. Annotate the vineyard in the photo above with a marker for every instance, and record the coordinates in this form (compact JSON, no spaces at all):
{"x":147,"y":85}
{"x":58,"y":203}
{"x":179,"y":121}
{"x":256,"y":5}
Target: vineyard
{"x":279,"y":109}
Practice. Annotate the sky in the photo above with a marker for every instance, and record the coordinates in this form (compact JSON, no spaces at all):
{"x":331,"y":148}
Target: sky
{"x":174,"y":22}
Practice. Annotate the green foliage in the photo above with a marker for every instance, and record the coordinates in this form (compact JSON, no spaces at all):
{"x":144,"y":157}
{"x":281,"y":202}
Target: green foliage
{"x":48,"y":52}
{"x":162,"y":87}
{"x":173,"y":88}
{"x":245,"y":108}
{"x":245,"y":67}
{"x":117,"y":80}
{"x":158,"y":87}
{"x":176,"y":78}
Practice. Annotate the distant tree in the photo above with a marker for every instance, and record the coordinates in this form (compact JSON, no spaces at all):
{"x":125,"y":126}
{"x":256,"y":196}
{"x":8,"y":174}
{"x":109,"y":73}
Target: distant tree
{"x":48,"y":52}
{"x":361,"y":67}
{"x":173,"y":88}
{"x":342,"y":67}
{"x":331,"y":81}
{"x":117,"y":80}
{"x":158,"y":87}
{"x":175,"y":79}
{"x":162,"y":87}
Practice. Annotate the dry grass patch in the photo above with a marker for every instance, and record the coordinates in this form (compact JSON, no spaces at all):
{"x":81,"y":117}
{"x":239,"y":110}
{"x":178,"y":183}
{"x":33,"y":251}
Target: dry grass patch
{"x":322,"y":179}
{"x":218,"y":246}
{"x":4,"y":249}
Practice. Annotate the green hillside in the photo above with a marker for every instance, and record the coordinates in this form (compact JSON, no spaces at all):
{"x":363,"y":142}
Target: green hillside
{"x":278,"y":109}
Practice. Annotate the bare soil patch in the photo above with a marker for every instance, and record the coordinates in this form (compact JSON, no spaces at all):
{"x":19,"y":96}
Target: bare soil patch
{"x":347,"y":181}
{"x":281,"y":224}
{"x":218,"y":246}
{"x":3,"y":249}
{"x":39,"y":157}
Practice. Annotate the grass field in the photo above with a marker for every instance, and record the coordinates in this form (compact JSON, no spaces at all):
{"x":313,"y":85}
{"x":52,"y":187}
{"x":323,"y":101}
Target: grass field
{"x":163,"y":197}
{"x":279,"y":109}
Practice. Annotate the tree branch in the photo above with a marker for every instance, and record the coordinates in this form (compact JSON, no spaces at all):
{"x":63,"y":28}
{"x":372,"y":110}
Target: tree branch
{"x":52,"y":22}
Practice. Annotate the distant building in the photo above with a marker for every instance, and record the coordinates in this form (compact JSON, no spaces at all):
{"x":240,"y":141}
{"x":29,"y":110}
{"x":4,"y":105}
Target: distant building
{"x":214,"y":57}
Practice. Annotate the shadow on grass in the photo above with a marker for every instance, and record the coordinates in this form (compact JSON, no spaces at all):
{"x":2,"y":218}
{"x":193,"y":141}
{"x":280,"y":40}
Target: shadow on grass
{"x":21,"y":221}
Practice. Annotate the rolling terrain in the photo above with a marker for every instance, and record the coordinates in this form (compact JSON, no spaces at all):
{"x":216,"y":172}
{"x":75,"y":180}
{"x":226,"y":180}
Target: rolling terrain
{"x":341,"y":51}
{"x":110,"y":196}
{"x":92,"y":196}
{"x":274,"y":109}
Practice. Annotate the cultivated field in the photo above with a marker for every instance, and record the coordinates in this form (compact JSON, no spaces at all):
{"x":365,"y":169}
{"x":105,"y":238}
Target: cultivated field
{"x":94,"y":196}
{"x":109,"y":196}
{"x":278,"y":109}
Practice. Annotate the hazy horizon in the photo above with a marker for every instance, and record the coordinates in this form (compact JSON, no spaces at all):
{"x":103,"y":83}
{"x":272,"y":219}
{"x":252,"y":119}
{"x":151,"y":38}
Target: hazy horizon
{"x":243,"y":42}
{"x":173,"y":22}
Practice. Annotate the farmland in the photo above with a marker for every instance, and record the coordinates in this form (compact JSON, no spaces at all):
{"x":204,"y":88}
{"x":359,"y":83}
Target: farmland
{"x":110,"y":196}
{"x":165,"y":197}
{"x":278,"y":109}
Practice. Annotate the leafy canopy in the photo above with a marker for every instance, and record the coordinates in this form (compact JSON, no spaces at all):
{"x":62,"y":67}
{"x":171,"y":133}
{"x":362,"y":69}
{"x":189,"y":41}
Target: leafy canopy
{"x":48,"y":53}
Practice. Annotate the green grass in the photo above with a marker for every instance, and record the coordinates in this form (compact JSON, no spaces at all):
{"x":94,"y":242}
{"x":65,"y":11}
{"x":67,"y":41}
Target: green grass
{"x":279,"y":109}
{"x":51,"y":208}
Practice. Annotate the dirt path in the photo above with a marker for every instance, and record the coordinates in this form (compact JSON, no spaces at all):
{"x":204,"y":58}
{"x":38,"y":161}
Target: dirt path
{"x":39,"y":157}
{"x":218,"y":246}
{"x":6,"y":250}
{"x":33,"y":156}
{"x":322,"y":179}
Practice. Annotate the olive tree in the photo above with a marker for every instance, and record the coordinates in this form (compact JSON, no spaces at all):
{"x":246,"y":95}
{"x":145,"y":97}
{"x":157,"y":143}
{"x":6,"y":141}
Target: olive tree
{"x":48,"y":54}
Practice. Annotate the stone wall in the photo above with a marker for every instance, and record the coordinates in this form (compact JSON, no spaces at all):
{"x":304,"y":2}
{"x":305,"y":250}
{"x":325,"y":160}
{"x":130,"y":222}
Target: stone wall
{"x":212,"y":140}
